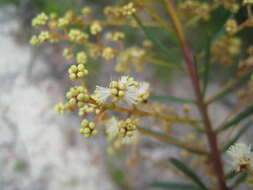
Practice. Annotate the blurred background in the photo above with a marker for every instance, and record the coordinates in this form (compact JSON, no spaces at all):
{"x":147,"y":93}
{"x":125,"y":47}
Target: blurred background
{"x":40,"y":150}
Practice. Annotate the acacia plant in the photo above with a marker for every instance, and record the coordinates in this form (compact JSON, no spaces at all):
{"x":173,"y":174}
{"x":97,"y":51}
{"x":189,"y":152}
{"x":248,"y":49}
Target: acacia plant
{"x":120,"y":107}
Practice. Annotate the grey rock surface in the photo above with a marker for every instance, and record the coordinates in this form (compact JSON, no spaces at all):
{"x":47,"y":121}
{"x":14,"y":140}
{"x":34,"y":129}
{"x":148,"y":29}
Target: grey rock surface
{"x":39,"y":150}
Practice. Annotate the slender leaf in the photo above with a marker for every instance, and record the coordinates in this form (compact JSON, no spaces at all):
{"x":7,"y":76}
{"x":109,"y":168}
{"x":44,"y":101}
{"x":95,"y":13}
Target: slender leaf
{"x":207,"y":66}
{"x":222,"y":30}
{"x":188,"y":172}
{"x":237,"y":119}
{"x":237,"y":136}
{"x":240,"y":179}
{"x":171,"y":99}
{"x":147,"y":33}
{"x":175,"y":186}
{"x":171,"y":140}
{"x":226,"y":91}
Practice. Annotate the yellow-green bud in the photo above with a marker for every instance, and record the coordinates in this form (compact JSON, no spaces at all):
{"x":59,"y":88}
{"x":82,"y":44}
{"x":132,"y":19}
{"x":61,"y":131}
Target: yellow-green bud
{"x":92,"y":125}
{"x":86,"y":130}
{"x":80,"y":67}
{"x":81,"y":131}
{"x":122,"y":86}
{"x":80,"y":74}
{"x":73,"y":68}
{"x":81,"y":97}
{"x":121,"y":93}
{"x":114,"y":91}
{"x":94,"y":132}
{"x":72,"y":76}
{"x":84,"y":123}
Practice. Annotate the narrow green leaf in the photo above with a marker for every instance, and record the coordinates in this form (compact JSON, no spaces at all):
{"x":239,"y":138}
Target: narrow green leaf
{"x":240,"y":179}
{"x":147,"y":33}
{"x":240,"y":81}
{"x":222,"y":30}
{"x":237,"y":136}
{"x":171,"y":99}
{"x":237,"y":119}
{"x":207,"y":66}
{"x":188,"y":172}
{"x":171,"y":140}
{"x":174,"y":186}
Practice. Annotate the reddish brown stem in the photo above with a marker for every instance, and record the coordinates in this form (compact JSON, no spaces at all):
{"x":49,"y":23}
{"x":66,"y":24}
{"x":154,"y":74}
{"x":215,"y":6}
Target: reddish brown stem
{"x":211,"y":136}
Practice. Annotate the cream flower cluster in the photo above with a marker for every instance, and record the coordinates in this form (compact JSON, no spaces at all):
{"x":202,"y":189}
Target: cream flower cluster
{"x":241,"y":157}
{"x":40,"y":20}
{"x":78,"y":71}
{"x":77,"y":36}
{"x":95,"y":28}
{"x":88,"y":129}
{"x":125,"y":89}
{"x":124,"y":131}
{"x":115,"y":36}
{"x":128,"y":9}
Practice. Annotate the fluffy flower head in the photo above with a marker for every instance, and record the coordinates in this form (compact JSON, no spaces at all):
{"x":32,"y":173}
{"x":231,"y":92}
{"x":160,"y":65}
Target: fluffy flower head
{"x":241,"y":157}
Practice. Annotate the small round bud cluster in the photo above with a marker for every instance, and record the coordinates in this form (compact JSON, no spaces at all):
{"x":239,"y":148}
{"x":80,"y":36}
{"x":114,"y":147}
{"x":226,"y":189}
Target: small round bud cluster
{"x":89,"y":108}
{"x":88,"y":129}
{"x":225,"y":49}
{"x":40,"y":20}
{"x":95,"y":28}
{"x":190,"y":8}
{"x":77,"y":96}
{"x":231,"y":5}
{"x":113,"y":12}
{"x":77,"y":36}
{"x":127,"y":127}
{"x":59,"y":108}
{"x":41,"y":38}
{"x":147,"y":44}
{"x":44,"y":36}
{"x":62,"y":22}
{"x":86,"y":11}
{"x":77,"y":71}
{"x":34,"y":41}
{"x":52,"y":23}
{"x":67,"y":53}
{"x":128,"y":9}
{"x":81,"y":57}
{"x":247,"y":2}
{"x":65,"y":20}
{"x":108,"y":53}
{"x":115,"y":36}
{"x":231,"y":26}
{"x":132,"y":56}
